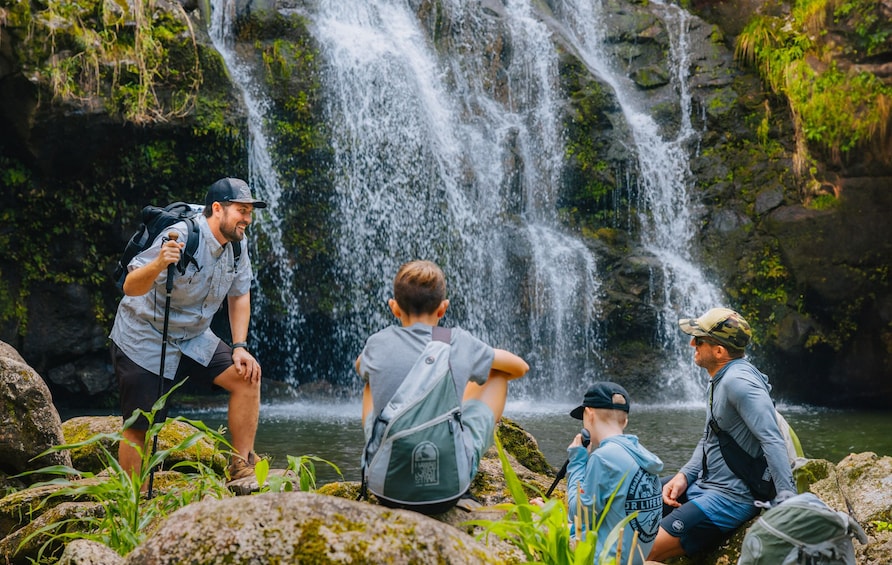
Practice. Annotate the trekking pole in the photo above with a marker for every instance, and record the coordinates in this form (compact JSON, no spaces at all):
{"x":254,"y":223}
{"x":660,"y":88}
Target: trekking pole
{"x":586,"y":439}
{"x":171,"y":271}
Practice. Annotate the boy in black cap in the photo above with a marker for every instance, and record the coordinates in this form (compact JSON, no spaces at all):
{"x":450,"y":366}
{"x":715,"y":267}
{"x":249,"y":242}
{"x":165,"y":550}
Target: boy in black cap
{"x":618,"y":463}
{"x":218,"y":273}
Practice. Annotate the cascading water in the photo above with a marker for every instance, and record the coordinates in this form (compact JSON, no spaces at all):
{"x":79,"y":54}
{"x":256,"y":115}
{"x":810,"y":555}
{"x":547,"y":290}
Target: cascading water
{"x":433,"y":161}
{"x":661,"y":183}
{"x":275,"y":332}
{"x":436,"y":156}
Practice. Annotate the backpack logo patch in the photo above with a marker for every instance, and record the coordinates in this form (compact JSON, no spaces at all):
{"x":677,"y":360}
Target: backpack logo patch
{"x":426,"y":464}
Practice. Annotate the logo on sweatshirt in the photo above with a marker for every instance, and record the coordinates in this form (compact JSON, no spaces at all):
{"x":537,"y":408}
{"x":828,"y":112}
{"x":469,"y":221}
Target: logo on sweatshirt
{"x":645,"y":497}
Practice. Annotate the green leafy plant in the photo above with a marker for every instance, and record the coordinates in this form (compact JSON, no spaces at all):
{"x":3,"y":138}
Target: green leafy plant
{"x":838,"y":110}
{"x":302,"y":467}
{"x":138,"y":56}
{"x":127,"y":514}
{"x":543,"y":533}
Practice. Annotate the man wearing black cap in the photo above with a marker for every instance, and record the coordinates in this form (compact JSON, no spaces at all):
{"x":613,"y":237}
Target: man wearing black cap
{"x":192,"y":350}
{"x":706,"y":501}
{"x":617,"y":463}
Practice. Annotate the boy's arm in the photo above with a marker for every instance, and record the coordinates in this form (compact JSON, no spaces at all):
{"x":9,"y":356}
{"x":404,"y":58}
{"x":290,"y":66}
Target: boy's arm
{"x":508,"y":365}
{"x":367,"y":404}
{"x":366,"y":393}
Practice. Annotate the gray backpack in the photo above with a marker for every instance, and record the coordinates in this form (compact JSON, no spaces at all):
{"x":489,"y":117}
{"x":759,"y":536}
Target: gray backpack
{"x":416,"y":457}
{"x":801,"y":531}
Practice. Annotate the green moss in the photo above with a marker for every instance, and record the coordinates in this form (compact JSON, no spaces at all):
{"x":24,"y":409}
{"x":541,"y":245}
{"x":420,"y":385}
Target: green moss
{"x":523,"y":447}
{"x":765,"y":287}
{"x":838,"y":111}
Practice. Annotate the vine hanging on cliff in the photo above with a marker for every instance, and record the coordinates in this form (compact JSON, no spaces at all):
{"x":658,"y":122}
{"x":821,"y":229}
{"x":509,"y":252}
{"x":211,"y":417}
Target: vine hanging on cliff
{"x":836,"y":106}
{"x":138,"y":59}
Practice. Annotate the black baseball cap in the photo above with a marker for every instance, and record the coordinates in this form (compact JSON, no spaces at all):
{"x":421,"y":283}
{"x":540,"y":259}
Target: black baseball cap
{"x":231,"y":190}
{"x":600,"y":395}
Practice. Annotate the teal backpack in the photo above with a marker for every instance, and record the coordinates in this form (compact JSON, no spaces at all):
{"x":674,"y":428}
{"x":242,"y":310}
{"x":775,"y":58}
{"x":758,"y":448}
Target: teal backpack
{"x":801,"y":531}
{"x":416,"y":456}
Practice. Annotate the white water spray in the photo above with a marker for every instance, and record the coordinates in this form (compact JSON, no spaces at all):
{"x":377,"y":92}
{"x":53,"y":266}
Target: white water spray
{"x":431,"y":161}
{"x":662,"y":182}
{"x":264,"y":180}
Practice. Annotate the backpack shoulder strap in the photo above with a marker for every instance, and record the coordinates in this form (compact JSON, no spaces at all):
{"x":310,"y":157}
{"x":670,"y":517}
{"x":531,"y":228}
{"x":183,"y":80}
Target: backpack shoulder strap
{"x":193,"y":235}
{"x":236,"y":252}
{"x":439,"y":333}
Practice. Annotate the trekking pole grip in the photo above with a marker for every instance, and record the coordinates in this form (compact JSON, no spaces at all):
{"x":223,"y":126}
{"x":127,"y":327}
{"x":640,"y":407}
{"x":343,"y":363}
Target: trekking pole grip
{"x":172,"y":268}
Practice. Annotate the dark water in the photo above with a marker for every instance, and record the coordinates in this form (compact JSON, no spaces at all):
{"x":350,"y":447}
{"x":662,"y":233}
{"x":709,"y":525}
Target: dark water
{"x":332,"y":431}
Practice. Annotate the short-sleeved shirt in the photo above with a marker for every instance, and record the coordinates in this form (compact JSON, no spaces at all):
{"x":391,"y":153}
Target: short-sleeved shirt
{"x":389,"y":354}
{"x":196,"y":296}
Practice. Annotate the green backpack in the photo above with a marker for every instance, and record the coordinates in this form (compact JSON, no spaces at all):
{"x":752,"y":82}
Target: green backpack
{"x":416,"y":457}
{"x":801,"y":531}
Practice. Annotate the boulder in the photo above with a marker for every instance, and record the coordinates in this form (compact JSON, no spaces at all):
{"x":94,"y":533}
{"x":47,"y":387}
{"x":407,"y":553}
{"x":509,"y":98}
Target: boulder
{"x":86,"y":552}
{"x":297,"y":526}
{"x":90,"y":458}
{"x":862,"y":482}
{"x":44,"y":536}
{"x":29,"y":422}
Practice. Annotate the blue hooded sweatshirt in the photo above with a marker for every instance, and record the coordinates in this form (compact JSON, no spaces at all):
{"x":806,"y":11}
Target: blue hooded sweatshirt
{"x":592,"y":479}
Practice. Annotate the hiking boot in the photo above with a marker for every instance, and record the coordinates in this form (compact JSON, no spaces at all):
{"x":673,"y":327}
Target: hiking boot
{"x":239,"y":467}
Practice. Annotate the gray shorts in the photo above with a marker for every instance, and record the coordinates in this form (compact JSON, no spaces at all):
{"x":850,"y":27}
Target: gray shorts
{"x":478,"y":419}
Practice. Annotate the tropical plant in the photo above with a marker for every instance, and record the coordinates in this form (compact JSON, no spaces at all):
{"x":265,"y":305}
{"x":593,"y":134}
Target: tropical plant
{"x":127,"y":514}
{"x":303,"y":467}
{"x":543,"y":533}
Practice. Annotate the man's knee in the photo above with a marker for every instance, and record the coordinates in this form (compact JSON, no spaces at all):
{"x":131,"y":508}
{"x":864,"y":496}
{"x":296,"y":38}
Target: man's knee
{"x":234,"y":383}
{"x":665,"y":546}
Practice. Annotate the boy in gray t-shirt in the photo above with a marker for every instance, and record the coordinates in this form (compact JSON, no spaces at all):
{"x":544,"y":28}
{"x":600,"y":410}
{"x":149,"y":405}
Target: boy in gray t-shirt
{"x":419,"y":301}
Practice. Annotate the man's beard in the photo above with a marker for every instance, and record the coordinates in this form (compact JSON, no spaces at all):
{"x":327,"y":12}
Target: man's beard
{"x":231,"y":232}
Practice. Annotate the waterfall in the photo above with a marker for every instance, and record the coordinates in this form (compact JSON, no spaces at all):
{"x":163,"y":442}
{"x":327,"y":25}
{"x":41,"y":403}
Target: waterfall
{"x":662,"y":182}
{"x":274,"y":332}
{"x":433,"y":162}
{"x":435,"y":156}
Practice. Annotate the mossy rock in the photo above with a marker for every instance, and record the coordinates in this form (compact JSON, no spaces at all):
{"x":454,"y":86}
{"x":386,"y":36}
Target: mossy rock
{"x":91,"y":458}
{"x":519,"y":443}
{"x":298,"y":526}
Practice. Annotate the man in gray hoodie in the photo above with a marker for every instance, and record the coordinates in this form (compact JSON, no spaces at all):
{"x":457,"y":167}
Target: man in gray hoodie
{"x":706,"y":501}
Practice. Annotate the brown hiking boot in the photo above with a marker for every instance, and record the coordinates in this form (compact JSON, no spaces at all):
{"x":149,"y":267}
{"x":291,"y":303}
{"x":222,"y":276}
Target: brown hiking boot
{"x":239,"y":467}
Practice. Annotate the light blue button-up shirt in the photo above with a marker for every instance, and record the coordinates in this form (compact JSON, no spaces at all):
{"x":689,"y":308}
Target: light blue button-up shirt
{"x":196,"y":296}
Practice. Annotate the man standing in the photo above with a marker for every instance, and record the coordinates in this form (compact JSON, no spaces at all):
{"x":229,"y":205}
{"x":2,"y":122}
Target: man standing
{"x":706,"y":501}
{"x":192,"y":349}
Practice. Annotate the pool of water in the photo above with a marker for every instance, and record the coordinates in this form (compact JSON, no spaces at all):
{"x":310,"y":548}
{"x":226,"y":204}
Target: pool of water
{"x":332,"y":431}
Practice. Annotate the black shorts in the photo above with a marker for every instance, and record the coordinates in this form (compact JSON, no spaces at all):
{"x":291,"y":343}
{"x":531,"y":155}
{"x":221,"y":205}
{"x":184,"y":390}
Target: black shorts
{"x":139,"y":387}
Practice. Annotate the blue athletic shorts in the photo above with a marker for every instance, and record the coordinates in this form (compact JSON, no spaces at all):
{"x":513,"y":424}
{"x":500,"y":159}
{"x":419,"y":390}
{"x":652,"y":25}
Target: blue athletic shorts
{"x":477,"y":418}
{"x":705,"y":519}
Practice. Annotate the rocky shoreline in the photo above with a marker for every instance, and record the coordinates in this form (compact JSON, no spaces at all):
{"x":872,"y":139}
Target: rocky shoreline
{"x":328,"y":523}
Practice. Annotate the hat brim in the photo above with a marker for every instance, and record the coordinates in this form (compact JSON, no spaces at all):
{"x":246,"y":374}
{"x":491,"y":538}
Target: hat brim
{"x":690,"y":327}
{"x":256,"y":203}
{"x":577,"y":412}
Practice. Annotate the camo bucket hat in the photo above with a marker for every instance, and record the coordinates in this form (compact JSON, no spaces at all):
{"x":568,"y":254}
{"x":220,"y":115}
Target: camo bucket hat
{"x":721,"y":324}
